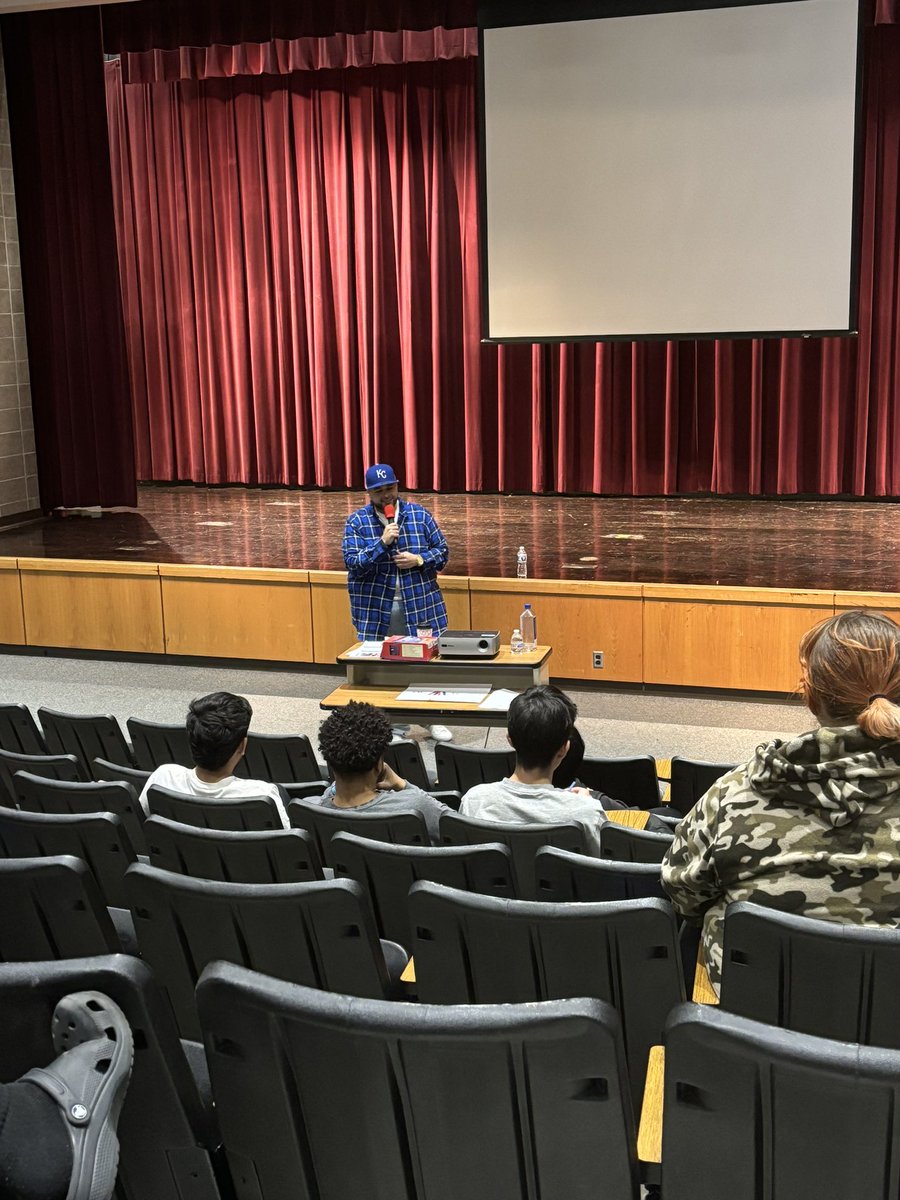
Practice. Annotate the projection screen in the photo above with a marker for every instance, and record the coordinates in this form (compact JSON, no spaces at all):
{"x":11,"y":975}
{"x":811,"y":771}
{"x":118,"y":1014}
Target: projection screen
{"x":669,"y":174}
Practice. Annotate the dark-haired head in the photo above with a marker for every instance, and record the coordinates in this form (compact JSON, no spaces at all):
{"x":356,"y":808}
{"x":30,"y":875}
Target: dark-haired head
{"x":217,"y":726}
{"x":539,"y":724}
{"x":850,"y":672}
{"x":353,"y":739}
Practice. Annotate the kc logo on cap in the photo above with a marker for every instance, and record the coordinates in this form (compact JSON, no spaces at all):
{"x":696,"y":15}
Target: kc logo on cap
{"x":379,"y":475}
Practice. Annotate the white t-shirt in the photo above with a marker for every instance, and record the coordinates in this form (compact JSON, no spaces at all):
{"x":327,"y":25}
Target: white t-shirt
{"x":184,"y":780}
{"x":535,"y":803}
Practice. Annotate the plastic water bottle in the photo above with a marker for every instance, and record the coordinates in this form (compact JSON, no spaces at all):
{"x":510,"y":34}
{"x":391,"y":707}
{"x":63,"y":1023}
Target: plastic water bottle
{"x":528,"y":626}
{"x":516,"y":644}
{"x":522,"y":563}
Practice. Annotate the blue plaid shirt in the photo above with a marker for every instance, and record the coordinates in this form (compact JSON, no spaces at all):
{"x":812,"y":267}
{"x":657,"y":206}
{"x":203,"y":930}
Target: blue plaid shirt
{"x":372,"y":577}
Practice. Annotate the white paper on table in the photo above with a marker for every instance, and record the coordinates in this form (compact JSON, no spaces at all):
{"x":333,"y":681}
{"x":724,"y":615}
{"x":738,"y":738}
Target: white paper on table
{"x":499,"y":700}
{"x":366,"y":650}
{"x":460,"y":694}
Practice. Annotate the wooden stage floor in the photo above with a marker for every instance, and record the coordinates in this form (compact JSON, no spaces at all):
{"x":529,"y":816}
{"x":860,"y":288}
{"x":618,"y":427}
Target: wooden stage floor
{"x":846,"y":545}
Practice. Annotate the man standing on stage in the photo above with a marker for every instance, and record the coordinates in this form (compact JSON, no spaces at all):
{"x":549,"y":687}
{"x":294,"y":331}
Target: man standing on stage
{"x":393,"y":551}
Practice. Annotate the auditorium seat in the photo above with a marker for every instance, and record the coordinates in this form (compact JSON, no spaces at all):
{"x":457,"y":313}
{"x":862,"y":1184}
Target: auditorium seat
{"x":155,"y":744}
{"x":388,"y":872}
{"x":19,"y":732}
{"x":403,"y":828}
{"x":35,"y":794}
{"x":85,"y":737}
{"x":305,"y":791}
{"x":52,"y":908}
{"x":52,"y":766}
{"x":269,"y":856}
{"x":631,"y":781}
{"x":818,"y":977}
{"x":167,"y":1136}
{"x":406,"y":759}
{"x":247,"y":813}
{"x":524,"y":841}
{"x":474,"y":1103}
{"x":320,"y":934}
{"x":691,"y":779}
{"x":472,"y":949}
{"x":446,"y":796}
{"x":563,"y":876}
{"x":103,"y":769}
{"x":279,"y":758}
{"x":462,"y":767}
{"x":623,"y":844}
{"x":751,"y":1110}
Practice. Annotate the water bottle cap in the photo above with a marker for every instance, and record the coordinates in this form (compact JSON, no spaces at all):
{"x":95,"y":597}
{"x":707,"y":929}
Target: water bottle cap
{"x":515,"y":631}
{"x":528,"y":606}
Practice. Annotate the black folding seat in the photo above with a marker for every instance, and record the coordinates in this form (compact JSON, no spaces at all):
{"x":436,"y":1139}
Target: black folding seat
{"x":103,"y":769}
{"x":268,"y":856}
{"x":463,"y":767}
{"x":471,"y":949}
{"x":167,"y":1136}
{"x":691,"y":779}
{"x":404,"y":829}
{"x":35,"y":794}
{"x":631,"y":781}
{"x":279,"y":758}
{"x":524,"y":841}
{"x":155,"y":744}
{"x":406,"y":759}
{"x":484,"y":1103}
{"x":561,"y":876}
{"x":19,"y":732}
{"x":247,"y":813}
{"x":51,"y":766}
{"x":320,"y":934}
{"x":623,"y":844}
{"x":450,"y":798}
{"x":751,"y":1110}
{"x":305,"y":791}
{"x":52,"y":908}
{"x":85,"y":737}
{"x":818,"y":977}
{"x":388,"y":872}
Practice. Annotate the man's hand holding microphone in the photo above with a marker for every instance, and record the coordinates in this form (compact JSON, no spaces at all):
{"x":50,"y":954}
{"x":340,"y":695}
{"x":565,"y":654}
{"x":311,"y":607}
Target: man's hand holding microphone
{"x":389,"y":536}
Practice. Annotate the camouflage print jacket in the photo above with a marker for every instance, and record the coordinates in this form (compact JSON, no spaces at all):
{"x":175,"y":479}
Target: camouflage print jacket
{"x":808,"y":826}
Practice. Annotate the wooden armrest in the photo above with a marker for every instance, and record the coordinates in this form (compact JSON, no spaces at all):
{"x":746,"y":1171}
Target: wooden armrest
{"x":649,"y":1142}
{"x":634,"y":818}
{"x":409,"y":972}
{"x":703,"y":993}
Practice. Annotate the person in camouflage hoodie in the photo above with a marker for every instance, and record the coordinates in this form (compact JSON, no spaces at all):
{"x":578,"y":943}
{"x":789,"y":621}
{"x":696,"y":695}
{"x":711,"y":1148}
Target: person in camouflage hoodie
{"x":811,"y":825}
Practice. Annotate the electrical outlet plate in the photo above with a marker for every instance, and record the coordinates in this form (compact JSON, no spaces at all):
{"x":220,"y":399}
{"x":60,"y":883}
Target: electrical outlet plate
{"x":598,"y":660}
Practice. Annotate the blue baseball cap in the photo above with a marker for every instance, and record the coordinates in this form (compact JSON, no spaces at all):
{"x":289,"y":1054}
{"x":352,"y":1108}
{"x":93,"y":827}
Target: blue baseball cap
{"x":380,"y":475}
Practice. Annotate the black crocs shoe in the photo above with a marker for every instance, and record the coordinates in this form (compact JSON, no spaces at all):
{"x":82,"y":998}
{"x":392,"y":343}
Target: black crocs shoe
{"x":88,"y":1081}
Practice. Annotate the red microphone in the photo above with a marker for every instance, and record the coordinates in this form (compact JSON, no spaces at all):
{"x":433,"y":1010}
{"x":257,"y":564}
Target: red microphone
{"x":389,"y":511}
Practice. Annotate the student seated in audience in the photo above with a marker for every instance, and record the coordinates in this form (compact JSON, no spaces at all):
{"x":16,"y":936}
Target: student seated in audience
{"x":539,"y":728}
{"x":810,"y":825}
{"x":217,"y":727}
{"x":353,"y":741}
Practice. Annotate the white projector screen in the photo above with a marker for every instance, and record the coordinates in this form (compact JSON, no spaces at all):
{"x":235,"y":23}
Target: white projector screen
{"x":671,"y":174}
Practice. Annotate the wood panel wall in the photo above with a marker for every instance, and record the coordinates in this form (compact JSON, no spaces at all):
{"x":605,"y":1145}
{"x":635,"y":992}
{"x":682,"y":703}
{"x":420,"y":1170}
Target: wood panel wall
{"x":12,"y":615}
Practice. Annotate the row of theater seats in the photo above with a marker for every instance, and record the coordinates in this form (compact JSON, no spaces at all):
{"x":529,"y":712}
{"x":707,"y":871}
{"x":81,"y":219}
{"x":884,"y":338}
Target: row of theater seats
{"x":76,"y":743}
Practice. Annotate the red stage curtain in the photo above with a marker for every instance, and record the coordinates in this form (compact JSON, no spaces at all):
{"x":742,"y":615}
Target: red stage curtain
{"x":300,"y":271}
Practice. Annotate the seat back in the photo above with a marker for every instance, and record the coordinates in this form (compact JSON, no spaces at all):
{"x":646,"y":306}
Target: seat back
{"x":85,"y":737}
{"x":247,"y":813}
{"x":388,"y":872}
{"x":51,"y":766}
{"x":319,"y":934}
{"x":404,"y":828}
{"x":691,"y":779}
{"x":524,"y":841}
{"x":449,"y":798}
{"x":777,"y":966}
{"x":305,"y":791}
{"x":98,"y":839}
{"x":165,"y":1133}
{"x":561,"y":876}
{"x":271,"y":856}
{"x":279,"y":758}
{"x":103,"y":769}
{"x":623,"y":844}
{"x":19,"y":733}
{"x":473,"y":949}
{"x":462,"y":767}
{"x":35,"y":794}
{"x":406,"y":759}
{"x":51,"y":908}
{"x":766,"y":1100}
{"x":482,"y":1102}
{"x":631,"y":781}
{"x":155,"y":744}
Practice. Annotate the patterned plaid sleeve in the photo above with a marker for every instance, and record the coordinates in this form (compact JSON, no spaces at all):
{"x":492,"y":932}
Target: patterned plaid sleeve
{"x":438,"y":552}
{"x":362,"y":546}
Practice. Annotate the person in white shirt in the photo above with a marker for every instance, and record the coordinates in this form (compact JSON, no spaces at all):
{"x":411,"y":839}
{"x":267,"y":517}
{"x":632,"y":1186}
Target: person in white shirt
{"x":217,"y":727}
{"x":539,"y":726}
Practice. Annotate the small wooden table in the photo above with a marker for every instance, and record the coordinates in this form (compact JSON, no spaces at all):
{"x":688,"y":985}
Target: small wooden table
{"x":379,"y":682}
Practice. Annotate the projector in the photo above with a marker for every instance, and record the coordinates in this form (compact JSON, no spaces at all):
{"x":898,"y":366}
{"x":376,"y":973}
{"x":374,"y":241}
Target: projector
{"x":470,"y":643}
